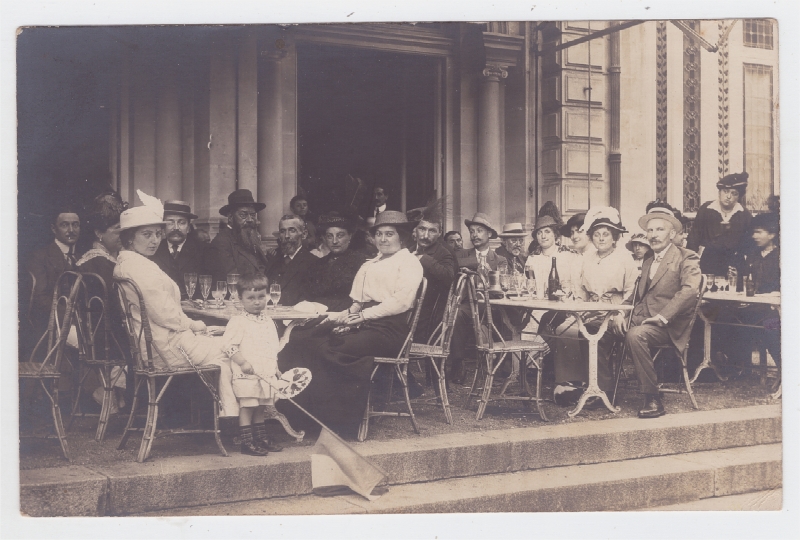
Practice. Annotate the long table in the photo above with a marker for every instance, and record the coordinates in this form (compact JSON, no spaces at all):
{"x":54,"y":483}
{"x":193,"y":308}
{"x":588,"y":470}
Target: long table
{"x":733,"y":300}
{"x":575,"y":308}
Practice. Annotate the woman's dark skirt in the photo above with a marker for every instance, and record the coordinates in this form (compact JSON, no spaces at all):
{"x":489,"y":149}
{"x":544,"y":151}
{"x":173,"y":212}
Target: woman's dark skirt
{"x":340,"y":366}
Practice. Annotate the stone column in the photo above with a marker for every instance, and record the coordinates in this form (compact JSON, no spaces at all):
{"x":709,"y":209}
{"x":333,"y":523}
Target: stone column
{"x":222,"y":123}
{"x":491,"y":180}
{"x":247,"y":110}
{"x":168,"y":139}
{"x":614,"y":155}
{"x":270,"y":138}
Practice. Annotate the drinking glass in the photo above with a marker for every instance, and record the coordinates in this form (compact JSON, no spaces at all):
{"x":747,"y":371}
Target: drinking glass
{"x":504,"y":281}
{"x":275,"y":294}
{"x":233,"y":279}
{"x":205,"y":286}
{"x":219,"y":292}
{"x":190,"y":280}
{"x":532,"y":288}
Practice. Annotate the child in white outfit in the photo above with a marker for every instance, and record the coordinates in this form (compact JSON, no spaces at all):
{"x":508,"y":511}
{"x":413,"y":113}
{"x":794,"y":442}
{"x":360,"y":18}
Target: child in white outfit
{"x":251,"y":342}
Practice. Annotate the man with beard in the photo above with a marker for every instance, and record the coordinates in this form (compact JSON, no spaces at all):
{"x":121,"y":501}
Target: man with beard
{"x":293,"y":263}
{"x":237,"y":247}
{"x":513,"y":237}
{"x":180,"y":252}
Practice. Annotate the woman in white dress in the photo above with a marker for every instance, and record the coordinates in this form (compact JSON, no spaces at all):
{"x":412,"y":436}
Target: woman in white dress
{"x":141,"y":231}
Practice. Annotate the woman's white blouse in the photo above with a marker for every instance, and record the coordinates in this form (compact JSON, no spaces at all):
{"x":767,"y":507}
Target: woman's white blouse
{"x":612,"y":277}
{"x":392,"y":282}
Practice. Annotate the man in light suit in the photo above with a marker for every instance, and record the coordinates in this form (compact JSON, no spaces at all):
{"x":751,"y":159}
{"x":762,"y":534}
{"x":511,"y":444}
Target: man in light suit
{"x":180,"y":253}
{"x":666,"y":296}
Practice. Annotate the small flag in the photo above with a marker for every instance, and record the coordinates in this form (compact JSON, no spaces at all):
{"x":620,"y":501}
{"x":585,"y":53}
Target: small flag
{"x":335,"y":465}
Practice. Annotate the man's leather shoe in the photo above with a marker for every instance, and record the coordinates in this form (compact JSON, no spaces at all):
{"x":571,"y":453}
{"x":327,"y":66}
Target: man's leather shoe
{"x":653,"y":408}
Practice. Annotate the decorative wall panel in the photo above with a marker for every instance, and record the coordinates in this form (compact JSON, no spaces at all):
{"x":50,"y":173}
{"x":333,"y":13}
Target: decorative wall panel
{"x":691,"y":122}
{"x":661,"y":110}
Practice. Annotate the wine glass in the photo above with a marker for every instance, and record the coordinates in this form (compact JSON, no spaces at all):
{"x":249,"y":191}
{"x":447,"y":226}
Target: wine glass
{"x":219,"y":293}
{"x":205,"y":286}
{"x":275,"y":294}
{"x":190,"y":280}
{"x":233,"y":279}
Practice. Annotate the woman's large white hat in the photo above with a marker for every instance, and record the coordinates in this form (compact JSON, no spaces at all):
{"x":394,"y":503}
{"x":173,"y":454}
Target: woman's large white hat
{"x":151,"y":213}
{"x":606,"y":216}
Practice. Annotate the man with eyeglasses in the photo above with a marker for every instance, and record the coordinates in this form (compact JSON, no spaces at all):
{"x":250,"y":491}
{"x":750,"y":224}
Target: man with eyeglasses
{"x":180,"y":252}
{"x":237,"y":247}
{"x":513,"y":237}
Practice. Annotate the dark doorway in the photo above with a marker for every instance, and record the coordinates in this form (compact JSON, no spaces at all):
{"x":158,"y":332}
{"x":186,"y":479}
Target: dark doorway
{"x":366,"y":114}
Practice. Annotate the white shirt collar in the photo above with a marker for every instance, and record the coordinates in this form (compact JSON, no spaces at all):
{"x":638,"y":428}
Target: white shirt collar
{"x":381,"y":208}
{"x":177,"y":248}
{"x":62,"y":246}
{"x":484,"y":251}
{"x":658,"y":257}
{"x":291,"y":257}
{"x":726,"y":216}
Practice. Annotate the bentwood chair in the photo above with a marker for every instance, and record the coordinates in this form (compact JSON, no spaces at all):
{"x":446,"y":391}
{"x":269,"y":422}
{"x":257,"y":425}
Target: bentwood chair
{"x":493,"y":349}
{"x":99,"y":350}
{"x":144,"y":352}
{"x":399,"y":367}
{"x":438,"y":346}
{"x":46,"y":358}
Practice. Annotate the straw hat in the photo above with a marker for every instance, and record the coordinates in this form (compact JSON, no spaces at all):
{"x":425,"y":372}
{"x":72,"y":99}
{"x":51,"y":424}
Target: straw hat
{"x":660,"y":210}
{"x":482,"y":220}
{"x":638,"y":238}
{"x":605,"y":216}
{"x":513,"y":230}
{"x":151,"y":213}
{"x":394,"y":218}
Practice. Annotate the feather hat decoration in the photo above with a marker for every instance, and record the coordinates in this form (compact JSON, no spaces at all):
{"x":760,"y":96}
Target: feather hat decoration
{"x":603,"y":215}
{"x":151,"y":213}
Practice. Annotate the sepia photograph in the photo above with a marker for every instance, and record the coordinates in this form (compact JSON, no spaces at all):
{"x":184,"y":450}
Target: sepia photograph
{"x":430,"y":267}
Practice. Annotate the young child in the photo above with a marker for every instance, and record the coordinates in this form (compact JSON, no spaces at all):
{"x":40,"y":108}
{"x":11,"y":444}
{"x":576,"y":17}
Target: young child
{"x":640,"y":247}
{"x":251,"y":342}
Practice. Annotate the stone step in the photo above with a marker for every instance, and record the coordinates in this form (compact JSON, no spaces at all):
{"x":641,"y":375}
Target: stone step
{"x":135,"y":488}
{"x":619,"y":485}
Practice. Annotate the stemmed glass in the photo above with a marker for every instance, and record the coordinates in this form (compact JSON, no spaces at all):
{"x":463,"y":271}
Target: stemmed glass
{"x":275,"y":294}
{"x":219,"y":293}
{"x":205,"y":286}
{"x":233,"y":279}
{"x":190,"y":280}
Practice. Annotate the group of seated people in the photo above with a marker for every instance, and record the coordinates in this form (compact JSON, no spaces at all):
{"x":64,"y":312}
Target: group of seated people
{"x":369,"y":286}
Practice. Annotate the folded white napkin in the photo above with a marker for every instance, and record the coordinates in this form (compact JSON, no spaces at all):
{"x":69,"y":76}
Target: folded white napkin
{"x":310,"y":307}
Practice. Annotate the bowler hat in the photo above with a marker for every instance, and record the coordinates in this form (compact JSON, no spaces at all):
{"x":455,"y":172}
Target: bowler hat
{"x":394,"y":218}
{"x":512,"y":230}
{"x":241,"y":197}
{"x":180,"y":208}
{"x":482,"y":220}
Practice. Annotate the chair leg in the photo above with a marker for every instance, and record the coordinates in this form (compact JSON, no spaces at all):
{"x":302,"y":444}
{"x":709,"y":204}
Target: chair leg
{"x":105,"y":408}
{"x":152,"y":421}
{"x":487,"y":388}
{"x":687,"y":381}
{"x":472,"y":386}
{"x":129,"y":426}
{"x":76,"y":402}
{"x":56,"y":410}
{"x":216,"y":430}
{"x":539,"y":391}
{"x":440,"y":367}
{"x":401,"y":374}
{"x":363,"y":428}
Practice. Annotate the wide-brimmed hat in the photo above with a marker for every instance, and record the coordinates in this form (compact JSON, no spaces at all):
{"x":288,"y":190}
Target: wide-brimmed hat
{"x":394,"y":218}
{"x":661,"y":210}
{"x":638,"y":238}
{"x":545,"y":221}
{"x":573,"y":221}
{"x":605,"y":216}
{"x":180,"y":208}
{"x":512,"y":230}
{"x":334,"y":220}
{"x":735,"y":181}
{"x":482,"y":220}
{"x":241,"y":197}
{"x":138,"y":217}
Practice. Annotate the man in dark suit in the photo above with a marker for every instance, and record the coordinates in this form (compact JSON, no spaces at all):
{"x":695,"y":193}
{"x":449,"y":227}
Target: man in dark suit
{"x":666,"y":296}
{"x":47,"y":263}
{"x":237,"y":247}
{"x":293,"y":264}
{"x":180,"y":253}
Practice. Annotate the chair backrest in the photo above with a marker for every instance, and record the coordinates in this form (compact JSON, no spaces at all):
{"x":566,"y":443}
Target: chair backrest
{"x":413,"y":319}
{"x":481,"y":339}
{"x":451,"y":310}
{"x":96,"y":338}
{"x":700,"y":294}
{"x":26,"y":286}
{"x":49,"y":350}
{"x":140,"y":336}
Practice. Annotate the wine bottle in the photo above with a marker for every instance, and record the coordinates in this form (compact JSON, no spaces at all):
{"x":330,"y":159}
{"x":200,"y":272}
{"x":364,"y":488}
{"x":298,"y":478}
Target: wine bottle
{"x":553,"y":283}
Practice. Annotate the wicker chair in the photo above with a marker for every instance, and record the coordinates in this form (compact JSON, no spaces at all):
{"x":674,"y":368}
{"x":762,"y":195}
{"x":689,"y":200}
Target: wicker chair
{"x":45,"y":361}
{"x":399,"y":366}
{"x":145,"y":372}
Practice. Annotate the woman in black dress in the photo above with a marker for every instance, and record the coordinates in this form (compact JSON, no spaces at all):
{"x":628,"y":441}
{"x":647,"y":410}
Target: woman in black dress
{"x":340,"y":351}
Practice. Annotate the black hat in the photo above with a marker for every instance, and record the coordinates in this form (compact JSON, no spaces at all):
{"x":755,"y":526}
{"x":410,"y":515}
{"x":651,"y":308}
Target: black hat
{"x":241,"y":197}
{"x":180,"y":208}
{"x":767,"y":221}
{"x":735,"y":181}
{"x":334,"y":220}
{"x":573,"y":221}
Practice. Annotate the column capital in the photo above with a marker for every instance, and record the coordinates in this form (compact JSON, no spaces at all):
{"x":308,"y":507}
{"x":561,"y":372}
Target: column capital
{"x":494,"y":72}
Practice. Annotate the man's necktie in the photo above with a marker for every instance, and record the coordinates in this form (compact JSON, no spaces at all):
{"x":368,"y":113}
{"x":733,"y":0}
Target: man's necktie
{"x":71,"y":257}
{"x":174,"y":252}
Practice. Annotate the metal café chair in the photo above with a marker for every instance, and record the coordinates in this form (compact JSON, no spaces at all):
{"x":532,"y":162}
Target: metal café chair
{"x":438,"y":346}
{"x":46,"y":358}
{"x":145,"y":372}
{"x":492,"y":350}
{"x":399,"y":366}
{"x":99,"y":350}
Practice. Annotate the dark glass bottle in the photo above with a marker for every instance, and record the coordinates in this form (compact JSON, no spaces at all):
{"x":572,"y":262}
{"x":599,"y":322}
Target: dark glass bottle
{"x":553,"y":283}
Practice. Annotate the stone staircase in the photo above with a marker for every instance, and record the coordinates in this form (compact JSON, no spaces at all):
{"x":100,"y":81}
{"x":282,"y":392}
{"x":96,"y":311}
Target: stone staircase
{"x":618,"y":464}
